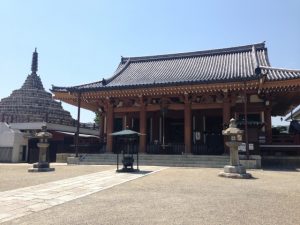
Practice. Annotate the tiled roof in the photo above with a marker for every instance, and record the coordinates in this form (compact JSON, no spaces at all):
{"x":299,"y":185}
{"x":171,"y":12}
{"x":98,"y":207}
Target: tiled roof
{"x":94,"y":85}
{"x":212,"y":66}
{"x":279,"y":73}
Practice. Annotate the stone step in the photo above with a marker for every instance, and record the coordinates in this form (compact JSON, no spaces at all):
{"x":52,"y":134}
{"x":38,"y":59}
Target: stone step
{"x":157,"y":162}
{"x":167,"y":160}
{"x":161,"y":157}
{"x":160,"y":160}
{"x":209,"y":165}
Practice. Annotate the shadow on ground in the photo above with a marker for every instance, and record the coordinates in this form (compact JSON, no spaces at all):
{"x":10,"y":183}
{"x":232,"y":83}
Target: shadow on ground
{"x":281,"y":168}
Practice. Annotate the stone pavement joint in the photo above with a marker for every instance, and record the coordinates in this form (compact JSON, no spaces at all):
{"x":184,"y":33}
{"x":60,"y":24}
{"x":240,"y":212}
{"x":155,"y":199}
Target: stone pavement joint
{"x":23,"y":201}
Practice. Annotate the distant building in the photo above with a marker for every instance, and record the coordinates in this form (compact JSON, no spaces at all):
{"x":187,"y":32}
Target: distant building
{"x":25,"y":111}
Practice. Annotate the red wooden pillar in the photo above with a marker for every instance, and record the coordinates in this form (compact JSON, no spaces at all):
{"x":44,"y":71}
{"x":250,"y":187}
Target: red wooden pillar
{"x":124,"y":122}
{"x":110,"y":127}
{"x":226,"y":111}
{"x":155,"y":126}
{"x":143,"y":128}
{"x":128,"y":122}
{"x":226,"y":117}
{"x":187,"y":125}
{"x":78,"y":124}
{"x":268,"y":125}
{"x":101,"y":126}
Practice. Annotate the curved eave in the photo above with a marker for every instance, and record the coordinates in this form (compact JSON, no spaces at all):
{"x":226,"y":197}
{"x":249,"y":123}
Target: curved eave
{"x":151,"y":85}
{"x":92,"y":96}
{"x":281,"y":85}
{"x":72,"y":99}
{"x":279,"y":74}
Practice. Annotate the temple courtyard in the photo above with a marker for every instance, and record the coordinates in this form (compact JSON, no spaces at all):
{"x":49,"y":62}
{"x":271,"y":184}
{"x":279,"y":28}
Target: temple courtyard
{"x":156,"y":195}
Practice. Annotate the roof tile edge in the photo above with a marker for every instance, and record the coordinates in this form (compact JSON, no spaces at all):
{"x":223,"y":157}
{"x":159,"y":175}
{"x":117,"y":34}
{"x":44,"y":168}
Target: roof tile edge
{"x":258,"y":46}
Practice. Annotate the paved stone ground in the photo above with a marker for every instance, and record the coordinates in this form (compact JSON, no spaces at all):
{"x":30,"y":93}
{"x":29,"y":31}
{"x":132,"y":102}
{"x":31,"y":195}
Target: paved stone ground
{"x":16,"y":175}
{"x":184,"y":196}
{"x":20,"y":202}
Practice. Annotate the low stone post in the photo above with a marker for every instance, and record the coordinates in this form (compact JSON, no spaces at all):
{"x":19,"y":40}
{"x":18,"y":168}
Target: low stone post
{"x":42,"y":165}
{"x":235,"y":169}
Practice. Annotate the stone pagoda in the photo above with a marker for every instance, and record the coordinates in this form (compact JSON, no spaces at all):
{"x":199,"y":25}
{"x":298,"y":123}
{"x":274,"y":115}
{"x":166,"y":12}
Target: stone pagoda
{"x":31,"y":103}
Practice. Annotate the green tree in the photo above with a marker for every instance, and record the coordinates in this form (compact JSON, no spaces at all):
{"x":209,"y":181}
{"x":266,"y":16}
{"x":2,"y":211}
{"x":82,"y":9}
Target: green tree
{"x":97,"y":119}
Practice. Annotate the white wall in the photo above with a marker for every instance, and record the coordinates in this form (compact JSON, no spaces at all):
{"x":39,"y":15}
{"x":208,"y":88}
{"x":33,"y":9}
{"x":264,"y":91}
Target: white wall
{"x":19,"y":142}
{"x":13,"y":139}
{"x":6,"y":136}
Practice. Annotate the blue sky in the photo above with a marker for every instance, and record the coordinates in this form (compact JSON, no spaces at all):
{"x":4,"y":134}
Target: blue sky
{"x":82,"y":41}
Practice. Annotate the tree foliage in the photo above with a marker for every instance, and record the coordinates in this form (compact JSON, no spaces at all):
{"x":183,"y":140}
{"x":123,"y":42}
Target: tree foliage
{"x":97,"y":119}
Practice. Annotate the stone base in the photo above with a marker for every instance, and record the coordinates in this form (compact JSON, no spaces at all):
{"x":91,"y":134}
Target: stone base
{"x":73,"y":160}
{"x":41,"y":165}
{"x":235,"y":169}
{"x":127,"y":170}
{"x":41,"y":169}
{"x":235,"y":175}
{"x":238,"y":172}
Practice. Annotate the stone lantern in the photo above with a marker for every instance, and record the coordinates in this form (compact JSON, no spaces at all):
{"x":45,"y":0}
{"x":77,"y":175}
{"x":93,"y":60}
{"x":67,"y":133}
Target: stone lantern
{"x":42,"y":165}
{"x":233,"y":140}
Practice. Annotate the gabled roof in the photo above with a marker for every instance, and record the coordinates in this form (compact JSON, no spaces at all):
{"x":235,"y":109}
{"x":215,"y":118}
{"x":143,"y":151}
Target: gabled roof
{"x":211,"y":66}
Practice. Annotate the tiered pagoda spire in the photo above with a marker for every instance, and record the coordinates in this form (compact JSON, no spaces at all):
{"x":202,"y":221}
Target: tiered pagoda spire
{"x":34,"y":64}
{"x":33,"y":81}
{"x":31,"y":103}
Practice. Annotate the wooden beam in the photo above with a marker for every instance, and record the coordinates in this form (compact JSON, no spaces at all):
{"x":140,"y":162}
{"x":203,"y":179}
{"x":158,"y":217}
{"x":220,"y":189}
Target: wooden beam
{"x":206,"y":105}
{"x":152,"y":108}
{"x":127,"y":109}
{"x":173,"y":106}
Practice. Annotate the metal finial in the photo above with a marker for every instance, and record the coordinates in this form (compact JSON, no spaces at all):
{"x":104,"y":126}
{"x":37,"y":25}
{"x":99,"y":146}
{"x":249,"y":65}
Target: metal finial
{"x":34,"y":64}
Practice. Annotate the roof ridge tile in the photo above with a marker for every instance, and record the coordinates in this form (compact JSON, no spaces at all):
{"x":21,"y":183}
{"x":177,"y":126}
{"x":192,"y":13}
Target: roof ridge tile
{"x":229,"y":50}
{"x":281,"y":69}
